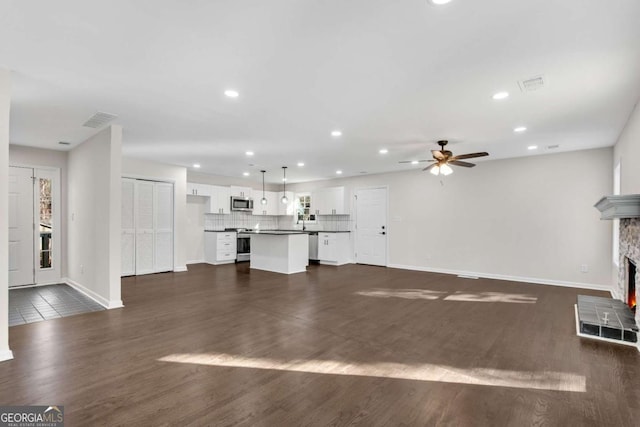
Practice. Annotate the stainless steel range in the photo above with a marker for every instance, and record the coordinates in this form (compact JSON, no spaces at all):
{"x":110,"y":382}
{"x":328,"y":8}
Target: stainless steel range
{"x":243,"y":252}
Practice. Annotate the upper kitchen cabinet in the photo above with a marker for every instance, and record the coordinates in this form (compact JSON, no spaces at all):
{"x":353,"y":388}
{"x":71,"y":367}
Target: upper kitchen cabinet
{"x":220,"y":201}
{"x":244,"y":192}
{"x":330,"y":201}
{"x":271,"y":208}
{"x":290,"y":207}
{"x":194,"y":189}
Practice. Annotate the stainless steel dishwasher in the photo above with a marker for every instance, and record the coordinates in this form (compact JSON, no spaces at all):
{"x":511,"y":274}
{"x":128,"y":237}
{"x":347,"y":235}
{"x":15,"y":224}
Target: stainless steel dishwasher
{"x":313,"y":246}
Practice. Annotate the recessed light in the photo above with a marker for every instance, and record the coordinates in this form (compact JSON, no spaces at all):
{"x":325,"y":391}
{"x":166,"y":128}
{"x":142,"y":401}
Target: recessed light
{"x":415,"y":162}
{"x":532,"y":147}
{"x":500,"y":95}
{"x":230,"y":93}
{"x":336,"y":133}
{"x":383,"y":151}
{"x":196,"y":165}
{"x":440,"y":2}
{"x":300,"y":164}
{"x":519,"y":129}
{"x":249,"y":153}
{"x":245,"y":173}
{"x":339,"y":172}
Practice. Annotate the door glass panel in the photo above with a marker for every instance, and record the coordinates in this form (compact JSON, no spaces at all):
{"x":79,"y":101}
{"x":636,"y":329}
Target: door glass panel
{"x":45,"y":224}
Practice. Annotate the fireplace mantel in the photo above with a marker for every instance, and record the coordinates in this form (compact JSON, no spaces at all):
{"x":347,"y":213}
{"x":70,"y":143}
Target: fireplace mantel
{"x":615,"y":207}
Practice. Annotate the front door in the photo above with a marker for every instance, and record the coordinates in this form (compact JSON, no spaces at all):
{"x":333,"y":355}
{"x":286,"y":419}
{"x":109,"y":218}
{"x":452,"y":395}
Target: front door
{"x":34,"y":226}
{"x":371,"y":226}
{"x":21,"y":227}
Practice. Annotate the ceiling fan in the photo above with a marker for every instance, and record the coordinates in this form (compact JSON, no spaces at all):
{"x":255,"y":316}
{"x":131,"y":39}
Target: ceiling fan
{"x":443,"y":158}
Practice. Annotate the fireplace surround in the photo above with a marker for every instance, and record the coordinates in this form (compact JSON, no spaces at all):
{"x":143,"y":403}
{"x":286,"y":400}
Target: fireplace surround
{"x":627,"y":209}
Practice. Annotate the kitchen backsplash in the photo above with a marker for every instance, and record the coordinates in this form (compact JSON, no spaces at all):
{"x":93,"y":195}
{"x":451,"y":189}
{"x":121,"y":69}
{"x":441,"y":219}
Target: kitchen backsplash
{"x":263,"y":222}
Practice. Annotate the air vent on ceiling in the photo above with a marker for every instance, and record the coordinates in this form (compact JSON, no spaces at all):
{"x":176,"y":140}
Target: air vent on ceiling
{"x":64,"y":143}
{"x":532,"y":84}
{"x":553,"y":147}
{"x":99,"y":119}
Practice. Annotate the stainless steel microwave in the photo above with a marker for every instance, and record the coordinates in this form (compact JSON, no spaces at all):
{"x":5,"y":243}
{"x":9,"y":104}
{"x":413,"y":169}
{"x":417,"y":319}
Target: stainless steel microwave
{"x":241,"y":204}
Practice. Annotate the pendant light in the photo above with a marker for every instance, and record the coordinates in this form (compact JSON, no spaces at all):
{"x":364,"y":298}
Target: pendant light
{"x":284,"y":186}
{"x":264,"y":199}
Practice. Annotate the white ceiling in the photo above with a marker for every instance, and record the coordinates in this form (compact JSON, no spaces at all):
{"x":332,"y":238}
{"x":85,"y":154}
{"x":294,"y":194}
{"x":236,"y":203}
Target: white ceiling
{"x":389,"y":74}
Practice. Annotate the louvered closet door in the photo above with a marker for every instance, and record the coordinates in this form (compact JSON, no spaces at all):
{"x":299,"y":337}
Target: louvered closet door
{"x":144,"y":205}
{"x":163,"y":212}
{"x":128,"y":240}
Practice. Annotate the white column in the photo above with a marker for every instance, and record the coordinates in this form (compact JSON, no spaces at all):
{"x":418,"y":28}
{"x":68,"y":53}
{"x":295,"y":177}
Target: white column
{"x":5,"y":104}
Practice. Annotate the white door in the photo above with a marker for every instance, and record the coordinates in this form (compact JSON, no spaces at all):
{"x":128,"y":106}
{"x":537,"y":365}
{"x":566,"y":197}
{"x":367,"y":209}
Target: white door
{"x":371,"y":226}
{"x":21,"y":227}
{"x":144,"y":227}
{"x":163,"y":230}
{"x":128,"y":240}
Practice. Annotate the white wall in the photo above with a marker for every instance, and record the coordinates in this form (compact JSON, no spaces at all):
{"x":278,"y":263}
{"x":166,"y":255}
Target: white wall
{"x":627,"y":152}
{"x":5,"y":104}
{"x":136,"y":168}
{"x":529,"y":218}
{"x":196,"y":207}
{"x":93,"y":256}
{"x":20,"y":155}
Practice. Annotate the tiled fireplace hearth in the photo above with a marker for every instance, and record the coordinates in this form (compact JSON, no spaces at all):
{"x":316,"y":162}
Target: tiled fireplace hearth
{"x":629,"y":252}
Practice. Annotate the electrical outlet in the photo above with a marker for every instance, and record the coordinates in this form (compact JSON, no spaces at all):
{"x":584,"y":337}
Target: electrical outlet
{"x":584,"y":268}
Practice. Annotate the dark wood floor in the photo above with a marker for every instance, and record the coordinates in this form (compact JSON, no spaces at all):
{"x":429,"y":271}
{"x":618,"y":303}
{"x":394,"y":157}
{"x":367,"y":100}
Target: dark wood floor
{"x":335,"y":346}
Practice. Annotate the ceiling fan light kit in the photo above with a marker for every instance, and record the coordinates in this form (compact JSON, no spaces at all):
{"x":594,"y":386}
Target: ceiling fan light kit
{"x":443,"y":159}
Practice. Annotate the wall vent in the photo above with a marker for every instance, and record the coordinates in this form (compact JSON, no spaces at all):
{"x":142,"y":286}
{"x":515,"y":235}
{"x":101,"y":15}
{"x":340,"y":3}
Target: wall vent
{"x":532,"y":84}
{"x":553,"y":147}
{"x":99,"y":119}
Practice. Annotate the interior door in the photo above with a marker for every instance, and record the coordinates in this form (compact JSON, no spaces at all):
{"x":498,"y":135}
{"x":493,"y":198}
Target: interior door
{"x":144,"y":227}
{"x":163,"y":232}
{"x":21,"y":227}
{"x":128,"y":238}
{"x":371,"y":226}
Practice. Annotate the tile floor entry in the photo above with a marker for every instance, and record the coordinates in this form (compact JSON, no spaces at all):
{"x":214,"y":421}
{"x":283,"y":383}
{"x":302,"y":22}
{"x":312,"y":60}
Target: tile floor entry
{"x":39,"y":303}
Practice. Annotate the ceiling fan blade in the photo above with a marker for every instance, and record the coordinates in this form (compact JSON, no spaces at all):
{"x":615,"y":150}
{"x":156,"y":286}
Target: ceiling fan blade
{"x":430,"y":166}
{"x":419,"y":161}
{"x":438,"y":155}
{"x":469,"y":156}
{"x":459,"y":163}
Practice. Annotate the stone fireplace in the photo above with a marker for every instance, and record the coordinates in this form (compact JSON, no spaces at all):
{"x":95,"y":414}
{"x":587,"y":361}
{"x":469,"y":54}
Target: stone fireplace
{"x":629,"y":259}
{"x":627,"y":209}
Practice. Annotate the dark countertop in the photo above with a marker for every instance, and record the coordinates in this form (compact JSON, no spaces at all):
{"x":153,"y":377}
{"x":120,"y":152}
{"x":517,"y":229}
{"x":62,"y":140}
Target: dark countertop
{"x":278,"y":231}
{"x":275,"y":232}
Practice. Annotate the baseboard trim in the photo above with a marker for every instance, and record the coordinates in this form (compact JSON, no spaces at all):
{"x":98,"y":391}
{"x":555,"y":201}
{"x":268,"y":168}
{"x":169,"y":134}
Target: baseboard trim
{"x":94,"y":296}
{"x":195,"y":261}
{"x":180,"y":269}
{"x":6,"y":355}
{"x":537,"y":281}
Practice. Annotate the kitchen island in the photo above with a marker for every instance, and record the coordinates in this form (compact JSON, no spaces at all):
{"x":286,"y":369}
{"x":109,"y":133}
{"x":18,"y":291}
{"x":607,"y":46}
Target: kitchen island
{"x":284,"y":252}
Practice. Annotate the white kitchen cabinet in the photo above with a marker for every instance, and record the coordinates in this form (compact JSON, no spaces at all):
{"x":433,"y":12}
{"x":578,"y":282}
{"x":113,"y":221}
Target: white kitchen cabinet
{"x":195,"y":189}
{"x":330,"y":201}
{"x":220,"y":202}
{"x":289,"y":207}
{"x":271,"y":208}
{"x":220,"y":247}
{"x":334,"y":248}
{"x":245,"y":192}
